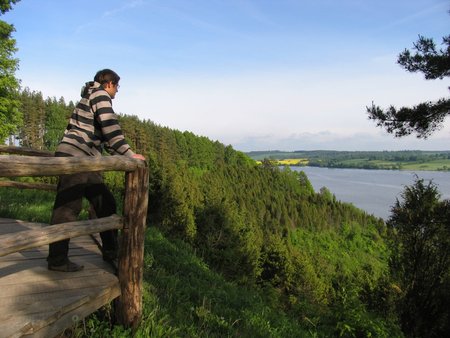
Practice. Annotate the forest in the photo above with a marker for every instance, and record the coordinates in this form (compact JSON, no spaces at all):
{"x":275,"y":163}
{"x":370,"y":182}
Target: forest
{"x":285,"y":261}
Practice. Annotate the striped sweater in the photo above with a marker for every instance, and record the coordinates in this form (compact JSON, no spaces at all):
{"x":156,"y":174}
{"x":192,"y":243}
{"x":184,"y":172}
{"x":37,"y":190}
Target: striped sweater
{"x":93,"y":126}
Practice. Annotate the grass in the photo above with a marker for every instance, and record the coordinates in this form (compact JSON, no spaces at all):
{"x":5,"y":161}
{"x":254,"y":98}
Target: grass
{"x":432,"y":165}
{"x":183,"y":297}
{"x":194,"y":301}
{"x":27,"y":205}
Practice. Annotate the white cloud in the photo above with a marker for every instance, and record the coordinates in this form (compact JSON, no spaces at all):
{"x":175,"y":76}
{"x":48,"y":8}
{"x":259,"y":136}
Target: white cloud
{"x":328,"y":140}
{"x":282,"y":110}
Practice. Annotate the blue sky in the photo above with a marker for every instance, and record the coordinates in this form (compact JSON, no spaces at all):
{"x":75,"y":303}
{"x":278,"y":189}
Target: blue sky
{"x":256,"y":74}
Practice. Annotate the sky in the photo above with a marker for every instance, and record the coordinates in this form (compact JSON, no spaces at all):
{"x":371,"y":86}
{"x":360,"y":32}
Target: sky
{"x":255,"y":74}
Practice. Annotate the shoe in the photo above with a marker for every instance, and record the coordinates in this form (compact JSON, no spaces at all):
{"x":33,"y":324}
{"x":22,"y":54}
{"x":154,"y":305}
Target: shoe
{"x":68,"y":266}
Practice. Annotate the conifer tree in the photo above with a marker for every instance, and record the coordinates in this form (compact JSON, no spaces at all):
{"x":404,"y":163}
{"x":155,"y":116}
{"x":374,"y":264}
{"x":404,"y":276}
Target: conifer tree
{"x":33,"y":107}
{"x":10,"y":116}
{"x":421,"y":259}
{"x":424,"y":118}
{"x":57,"y":114}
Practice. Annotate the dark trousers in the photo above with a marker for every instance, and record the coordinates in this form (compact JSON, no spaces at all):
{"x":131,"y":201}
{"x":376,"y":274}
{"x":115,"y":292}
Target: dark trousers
{"x":68,"y":204}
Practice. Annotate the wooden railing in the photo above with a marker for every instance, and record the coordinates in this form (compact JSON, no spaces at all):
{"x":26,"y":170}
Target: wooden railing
{"x":132,"y":224}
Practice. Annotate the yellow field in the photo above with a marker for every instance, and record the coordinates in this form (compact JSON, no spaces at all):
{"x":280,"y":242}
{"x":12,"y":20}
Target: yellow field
{"x":293,"y":161}
{"x":289,"y":161}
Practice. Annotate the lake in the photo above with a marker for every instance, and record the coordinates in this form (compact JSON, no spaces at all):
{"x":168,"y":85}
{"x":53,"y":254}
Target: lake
{"x":374,"y":191}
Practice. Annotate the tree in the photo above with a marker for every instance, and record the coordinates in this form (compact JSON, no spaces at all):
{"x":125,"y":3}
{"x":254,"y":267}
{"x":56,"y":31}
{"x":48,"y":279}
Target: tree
{"x":57,"y":114}
{"x":32,"y":133}
{"x":426,"y":117}
{"x":10,"y":116}
{"x":6,"y":5}
{"x":420,"y":224}
{"x":421,"y":260}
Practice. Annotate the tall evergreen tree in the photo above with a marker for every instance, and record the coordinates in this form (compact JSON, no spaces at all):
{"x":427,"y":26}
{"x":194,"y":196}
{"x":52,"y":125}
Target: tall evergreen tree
{"x":10,"y":116}
{"x":421,"y":222}
{"x":32,"y":133}
{"x":57,"y":114}
{"x":421,"y":260}
{"x":6,"y":5}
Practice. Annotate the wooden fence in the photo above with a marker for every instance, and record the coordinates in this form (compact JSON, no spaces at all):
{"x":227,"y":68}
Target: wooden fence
{"x":29,"y":162}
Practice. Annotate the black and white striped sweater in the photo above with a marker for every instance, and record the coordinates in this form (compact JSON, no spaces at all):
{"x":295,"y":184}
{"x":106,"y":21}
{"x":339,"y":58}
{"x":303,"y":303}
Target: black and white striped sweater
{"x":93,"y":126}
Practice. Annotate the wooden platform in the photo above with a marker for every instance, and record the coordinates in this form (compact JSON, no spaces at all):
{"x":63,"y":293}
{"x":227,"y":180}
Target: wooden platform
{"x":36,"y":302}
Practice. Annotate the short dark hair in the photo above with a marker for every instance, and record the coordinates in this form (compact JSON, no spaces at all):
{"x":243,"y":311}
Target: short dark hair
{"x":106,"y":75}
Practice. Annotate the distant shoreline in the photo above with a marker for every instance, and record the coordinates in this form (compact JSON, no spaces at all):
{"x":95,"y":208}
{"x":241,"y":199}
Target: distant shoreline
{"x":415,"y":160}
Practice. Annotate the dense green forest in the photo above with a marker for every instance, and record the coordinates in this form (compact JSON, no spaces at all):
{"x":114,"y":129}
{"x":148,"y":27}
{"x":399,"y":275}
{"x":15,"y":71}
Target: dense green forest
{"x":237,"y":248}
{"x":397,"y":160}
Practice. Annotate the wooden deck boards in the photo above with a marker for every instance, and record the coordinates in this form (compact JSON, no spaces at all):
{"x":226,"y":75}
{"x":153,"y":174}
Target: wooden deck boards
{"x":36,"y":302}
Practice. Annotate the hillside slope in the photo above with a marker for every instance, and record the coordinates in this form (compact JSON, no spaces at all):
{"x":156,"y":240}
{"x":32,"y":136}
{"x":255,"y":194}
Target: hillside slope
{"x":272,"y":255}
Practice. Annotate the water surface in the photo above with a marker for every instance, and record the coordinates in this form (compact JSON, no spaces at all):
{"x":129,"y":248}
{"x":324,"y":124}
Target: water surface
{"x":374,"y":191}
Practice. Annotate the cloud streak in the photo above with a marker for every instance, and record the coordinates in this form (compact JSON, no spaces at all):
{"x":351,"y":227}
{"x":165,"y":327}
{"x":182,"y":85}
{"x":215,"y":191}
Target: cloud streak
{"x":127,"y":6}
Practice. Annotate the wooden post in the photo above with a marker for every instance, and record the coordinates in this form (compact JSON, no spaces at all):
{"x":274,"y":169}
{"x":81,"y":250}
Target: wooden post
{"x":131,"y":253}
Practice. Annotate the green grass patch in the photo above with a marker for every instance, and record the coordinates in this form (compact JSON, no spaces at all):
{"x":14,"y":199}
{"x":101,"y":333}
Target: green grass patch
{"x":441,"y":165}
{"x":183,"y":297}
{"x":27,"y":205}
{"x":194,"y":301}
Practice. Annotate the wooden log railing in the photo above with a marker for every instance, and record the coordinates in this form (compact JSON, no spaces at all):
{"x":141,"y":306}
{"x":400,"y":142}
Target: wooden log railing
{"x":34,"y":238}
{"x":133,"y":222}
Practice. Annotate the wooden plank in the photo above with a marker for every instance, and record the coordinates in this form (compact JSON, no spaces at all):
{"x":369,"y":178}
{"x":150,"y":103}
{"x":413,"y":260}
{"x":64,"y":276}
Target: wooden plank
{"x":60,"y":312}
{"x":54,"y":319}
{"x":15,"y":166}
{"x":75,"y":251}
{"x":47,"y":285}
{"x":29,"y":273}
{"x":36,"y":302}
{"x":68,"y":319}
{"x":79,"y":246}
{"x":19,"y":266}
{"x":25,"y":311}
{"x":23,"y":300}
{"x":63,"y":289}
{"x":22,"y":240}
